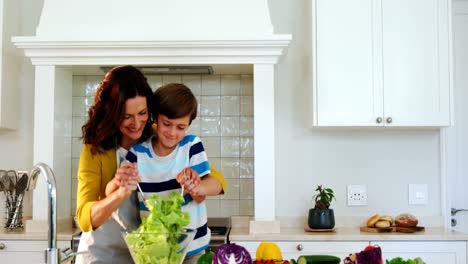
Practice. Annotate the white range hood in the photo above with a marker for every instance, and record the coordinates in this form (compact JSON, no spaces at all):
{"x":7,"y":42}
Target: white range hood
{"x":150,"y":32}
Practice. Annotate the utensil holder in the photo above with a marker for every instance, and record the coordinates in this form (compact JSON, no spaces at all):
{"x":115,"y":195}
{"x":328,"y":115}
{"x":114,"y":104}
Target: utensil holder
{"x":13,"y":214}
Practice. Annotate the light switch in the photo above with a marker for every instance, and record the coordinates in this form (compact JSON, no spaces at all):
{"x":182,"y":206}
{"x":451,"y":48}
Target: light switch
{"x":417,"y":194}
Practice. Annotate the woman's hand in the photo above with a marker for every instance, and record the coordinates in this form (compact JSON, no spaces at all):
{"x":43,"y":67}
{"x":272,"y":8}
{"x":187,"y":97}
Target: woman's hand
{"x":125,"y":180}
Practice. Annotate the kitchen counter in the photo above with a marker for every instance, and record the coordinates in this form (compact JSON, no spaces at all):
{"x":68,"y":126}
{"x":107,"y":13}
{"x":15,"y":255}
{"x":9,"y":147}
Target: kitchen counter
{"x":63,"y":235}
{"x":347,"y":234}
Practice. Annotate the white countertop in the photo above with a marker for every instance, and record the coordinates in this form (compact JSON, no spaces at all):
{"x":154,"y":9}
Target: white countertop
{"x":347,"y":234}
{"x":64,"y":235}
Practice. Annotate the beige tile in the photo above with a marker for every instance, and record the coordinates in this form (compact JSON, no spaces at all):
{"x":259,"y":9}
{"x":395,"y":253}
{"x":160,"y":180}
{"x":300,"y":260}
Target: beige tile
{"x":246,"y":169}
{"x":76,"y":146}
{"x":246,"y":106}
{"x":154,"y":81}
{"x":230,"y":105}
{"x":211,"y":85}
{"x":92,"y":84}
{"x":246,"y":84}
{"x":194,"y":128}
{"x":80,"y":106}
{"x":74,"y":187}
{"x":74,"y":167}
{"x":213,"y":208}
{"x":78,"y":85}
{"x":246,"y":124}
{"x":246,"y":207}
{"x":230,"y":126}
{"x":193,"y":82}
{"x":215,"y":162}
{"x":230,"y":167}
{"x":246,"y":147}
{"x":212,"y":146}
{"x":210,"y":126}
{"x":246,"y":190}
{"x":230,"y":84}
{"x":230,"y":147}
{"x":77,"y":123}
{"x":229,"y":207}
{"x":232,"y":189}
{"x":171,"y":79}
{"x":210,"y":105}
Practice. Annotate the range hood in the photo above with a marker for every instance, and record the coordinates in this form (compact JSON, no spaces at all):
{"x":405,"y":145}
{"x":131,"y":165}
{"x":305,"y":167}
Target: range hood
{"x":150,"y":32}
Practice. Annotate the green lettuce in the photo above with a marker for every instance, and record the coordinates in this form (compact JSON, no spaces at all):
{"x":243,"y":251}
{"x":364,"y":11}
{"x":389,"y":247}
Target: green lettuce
{"x":157,"y":238}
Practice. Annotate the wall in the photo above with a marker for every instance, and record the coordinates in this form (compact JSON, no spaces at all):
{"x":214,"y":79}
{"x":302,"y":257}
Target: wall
{"x":386,"y":160}
{"x":224,"y":123}
{"x":19,"y":142}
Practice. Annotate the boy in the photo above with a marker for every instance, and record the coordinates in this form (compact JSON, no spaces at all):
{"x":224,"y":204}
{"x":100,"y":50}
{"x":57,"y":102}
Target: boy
{"x":171,"y":159}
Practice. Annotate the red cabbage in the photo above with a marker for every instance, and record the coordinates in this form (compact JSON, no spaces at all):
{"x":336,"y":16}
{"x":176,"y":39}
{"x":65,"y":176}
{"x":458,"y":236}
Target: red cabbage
{"x":370,"y":256}
{"x":231,"y":251}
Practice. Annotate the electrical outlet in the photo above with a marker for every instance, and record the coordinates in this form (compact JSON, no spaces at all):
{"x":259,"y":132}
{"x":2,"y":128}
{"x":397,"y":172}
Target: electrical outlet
{"x":357,"y":195}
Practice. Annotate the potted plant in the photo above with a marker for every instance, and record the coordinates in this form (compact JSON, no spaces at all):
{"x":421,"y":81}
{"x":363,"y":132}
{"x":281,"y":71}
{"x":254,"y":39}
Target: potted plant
{"x":321,"y":216}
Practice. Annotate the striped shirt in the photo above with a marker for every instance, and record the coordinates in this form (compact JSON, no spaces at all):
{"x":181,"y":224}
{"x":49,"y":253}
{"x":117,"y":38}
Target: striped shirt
{"x":158,"y":175}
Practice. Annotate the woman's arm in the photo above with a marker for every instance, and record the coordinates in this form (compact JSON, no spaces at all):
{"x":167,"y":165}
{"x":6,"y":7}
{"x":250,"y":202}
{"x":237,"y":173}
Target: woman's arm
{"x":94,"y":173}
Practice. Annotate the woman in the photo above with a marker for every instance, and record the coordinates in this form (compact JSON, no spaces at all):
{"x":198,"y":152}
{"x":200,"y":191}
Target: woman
{"x":118,"y":119}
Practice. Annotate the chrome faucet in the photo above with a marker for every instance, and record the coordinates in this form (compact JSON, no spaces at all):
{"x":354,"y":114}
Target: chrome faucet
{"x":53,"y":255}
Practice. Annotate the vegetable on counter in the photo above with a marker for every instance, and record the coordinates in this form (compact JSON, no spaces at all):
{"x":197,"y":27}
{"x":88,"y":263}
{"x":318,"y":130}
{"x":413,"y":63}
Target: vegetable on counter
{"x":399,"y":260}
{"x":206,"y":258}
{"x":318,"y":259}
{"x":231,"y":254}
{"x":268,"y":251}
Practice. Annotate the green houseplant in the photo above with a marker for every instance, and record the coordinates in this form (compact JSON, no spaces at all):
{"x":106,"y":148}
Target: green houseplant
{"x":322,"y":216}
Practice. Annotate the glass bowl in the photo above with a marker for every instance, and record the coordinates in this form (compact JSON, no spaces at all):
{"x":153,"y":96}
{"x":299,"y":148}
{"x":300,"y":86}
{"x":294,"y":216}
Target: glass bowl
{"x":158,"y":248}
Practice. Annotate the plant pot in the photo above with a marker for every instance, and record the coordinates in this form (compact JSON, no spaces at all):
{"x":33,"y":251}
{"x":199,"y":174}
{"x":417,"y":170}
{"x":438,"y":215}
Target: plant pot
{"x":321,"y":218}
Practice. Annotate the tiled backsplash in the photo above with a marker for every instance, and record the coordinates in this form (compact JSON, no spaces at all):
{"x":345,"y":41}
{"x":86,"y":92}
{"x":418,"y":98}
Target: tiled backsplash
{"x":224,"y":123}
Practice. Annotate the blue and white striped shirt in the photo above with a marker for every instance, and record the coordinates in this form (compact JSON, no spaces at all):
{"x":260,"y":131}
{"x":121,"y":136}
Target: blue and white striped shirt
{"x":158,"y":175}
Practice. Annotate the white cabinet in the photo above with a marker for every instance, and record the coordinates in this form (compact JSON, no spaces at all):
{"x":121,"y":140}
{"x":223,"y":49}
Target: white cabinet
{"x":294,"y":249}
{"x":433,"y":252}
{"x":381,"y":63}
{"x":21,"y":251}
{"x":9,"y":64}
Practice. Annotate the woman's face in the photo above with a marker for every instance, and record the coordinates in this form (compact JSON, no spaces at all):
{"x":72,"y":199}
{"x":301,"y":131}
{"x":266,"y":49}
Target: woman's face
{"x":134,"y":121}
{"x":170,"y":132}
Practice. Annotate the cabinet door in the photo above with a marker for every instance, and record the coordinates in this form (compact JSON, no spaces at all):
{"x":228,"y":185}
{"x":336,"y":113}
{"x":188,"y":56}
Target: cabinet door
{"x":416,"y":70}
{"x":431,"y":252}
{"x":20,"y":251}
{"x":347,"y":80}
{"x":294,"y":249}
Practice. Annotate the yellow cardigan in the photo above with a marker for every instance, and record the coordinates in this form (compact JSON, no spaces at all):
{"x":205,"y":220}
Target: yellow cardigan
{"x":94,"y":172}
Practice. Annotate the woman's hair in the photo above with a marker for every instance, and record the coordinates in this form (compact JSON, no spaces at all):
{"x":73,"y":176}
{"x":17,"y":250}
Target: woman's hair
{"x":121,"y":83}
{"x":175,"y":100}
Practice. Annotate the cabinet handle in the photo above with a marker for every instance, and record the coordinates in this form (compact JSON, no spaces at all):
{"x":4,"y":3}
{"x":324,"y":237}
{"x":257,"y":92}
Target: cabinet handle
{"x":378,"y":120}
{"x":389,"y":120}
{"x":299,"y":247}
{"x":2,"y":246}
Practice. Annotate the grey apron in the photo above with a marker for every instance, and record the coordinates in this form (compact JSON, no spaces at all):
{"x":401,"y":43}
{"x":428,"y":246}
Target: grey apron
{"x":106,"y":244}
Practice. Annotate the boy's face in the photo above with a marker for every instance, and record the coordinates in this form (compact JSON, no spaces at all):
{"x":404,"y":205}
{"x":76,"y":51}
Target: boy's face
{"x":171,"y":131}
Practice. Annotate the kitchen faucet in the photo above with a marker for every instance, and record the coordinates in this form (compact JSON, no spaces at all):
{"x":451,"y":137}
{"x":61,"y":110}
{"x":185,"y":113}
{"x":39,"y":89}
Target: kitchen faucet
{"x":52,"y":253}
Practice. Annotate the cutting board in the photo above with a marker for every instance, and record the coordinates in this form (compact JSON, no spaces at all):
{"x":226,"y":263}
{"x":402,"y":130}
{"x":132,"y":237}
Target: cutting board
{"x":376,"y":229}
{"x":391,"y":229}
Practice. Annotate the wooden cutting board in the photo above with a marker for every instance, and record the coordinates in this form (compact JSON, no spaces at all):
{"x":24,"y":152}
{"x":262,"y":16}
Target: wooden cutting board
{"x":376,"y":229}
{"x":408,"y":229}
{"x":391,"y":229}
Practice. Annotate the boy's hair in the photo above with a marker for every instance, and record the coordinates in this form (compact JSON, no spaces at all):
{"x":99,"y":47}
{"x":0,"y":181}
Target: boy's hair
{"x":175,"y":100}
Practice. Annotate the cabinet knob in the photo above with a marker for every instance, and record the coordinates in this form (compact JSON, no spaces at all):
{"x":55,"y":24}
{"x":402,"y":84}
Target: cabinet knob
{"x":389,"y":120}
{"x":378,"y":120}
{"x":299,"y":247}
{"x":2,"y":246}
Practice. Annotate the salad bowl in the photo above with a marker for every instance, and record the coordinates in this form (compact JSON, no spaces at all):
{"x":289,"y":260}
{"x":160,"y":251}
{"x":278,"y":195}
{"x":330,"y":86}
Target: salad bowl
{"x":161,"y":248}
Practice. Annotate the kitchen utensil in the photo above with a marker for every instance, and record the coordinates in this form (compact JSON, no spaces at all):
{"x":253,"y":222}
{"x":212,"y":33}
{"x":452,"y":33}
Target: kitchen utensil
{"x":20,"y":189}
{"x":7,"y":189}
{"x":117,"y":219}
{"x":132,"y":158}
{"x":182,"y":189}
{"x":146,"y":247}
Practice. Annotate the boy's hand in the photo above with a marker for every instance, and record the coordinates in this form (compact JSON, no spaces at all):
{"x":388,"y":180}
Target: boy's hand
{"x":191,"y":181}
